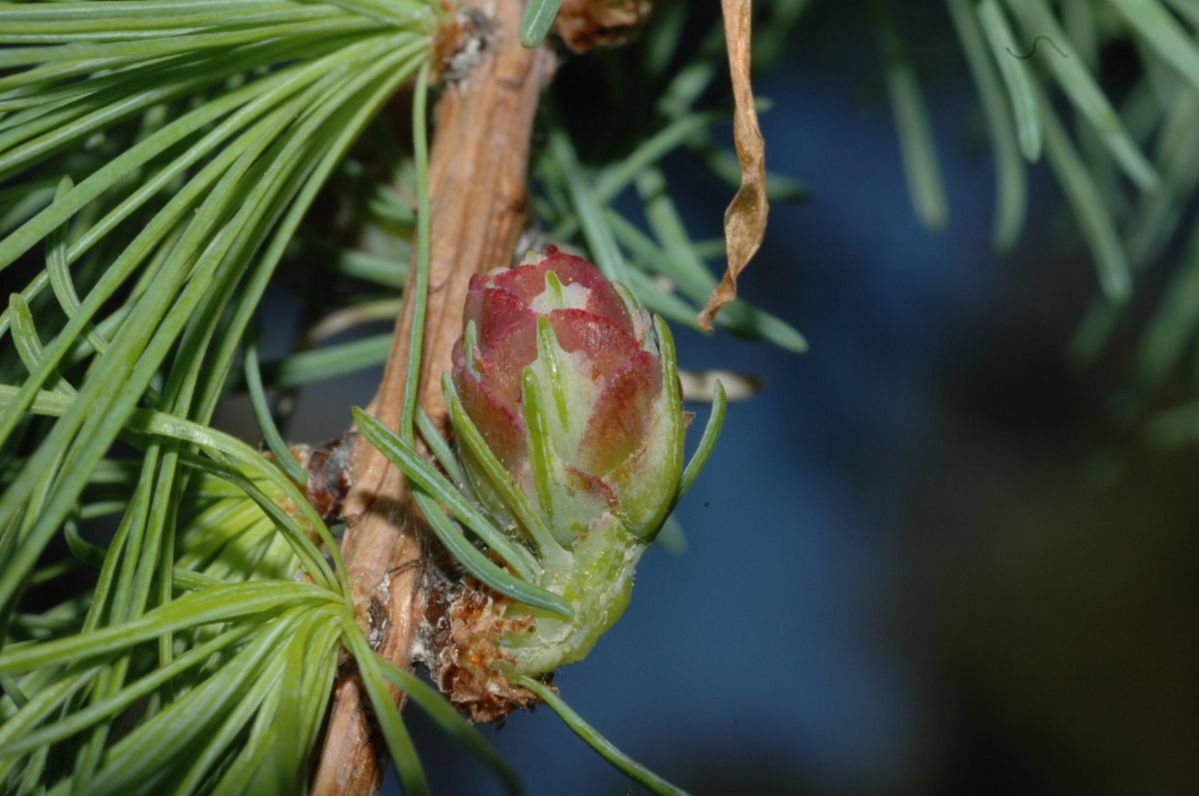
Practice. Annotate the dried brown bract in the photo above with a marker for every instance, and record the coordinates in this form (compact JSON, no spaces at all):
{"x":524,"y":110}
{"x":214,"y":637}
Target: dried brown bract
{"x":328,"y":468}
{"x":583,"y":24}
{"x":464,"y":625}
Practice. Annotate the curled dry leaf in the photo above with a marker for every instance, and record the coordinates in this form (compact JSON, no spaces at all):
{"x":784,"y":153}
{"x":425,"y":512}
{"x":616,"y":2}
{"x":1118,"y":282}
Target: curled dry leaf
{"x":745,"y":218}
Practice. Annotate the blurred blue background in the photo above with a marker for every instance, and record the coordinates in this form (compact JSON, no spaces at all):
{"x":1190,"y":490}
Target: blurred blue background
{"x":921,"y":560}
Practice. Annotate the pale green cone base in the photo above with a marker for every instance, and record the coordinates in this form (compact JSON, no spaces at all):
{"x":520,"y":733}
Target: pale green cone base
{"x":597,"y":580}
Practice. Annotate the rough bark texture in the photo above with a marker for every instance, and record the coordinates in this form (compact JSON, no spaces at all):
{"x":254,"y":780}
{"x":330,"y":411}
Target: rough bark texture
{"x":479,"y":160}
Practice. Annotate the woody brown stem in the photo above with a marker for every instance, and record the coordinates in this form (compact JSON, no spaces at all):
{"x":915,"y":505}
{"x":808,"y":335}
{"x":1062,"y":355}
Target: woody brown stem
{"x":478,"y":163}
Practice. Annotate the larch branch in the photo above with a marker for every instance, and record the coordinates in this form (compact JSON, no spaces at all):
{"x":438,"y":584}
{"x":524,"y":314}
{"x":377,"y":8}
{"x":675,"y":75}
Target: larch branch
{"x":478,"y":165}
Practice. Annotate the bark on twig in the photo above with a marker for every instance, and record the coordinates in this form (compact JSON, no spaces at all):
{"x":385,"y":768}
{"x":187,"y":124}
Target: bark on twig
{"x":479,"y":159}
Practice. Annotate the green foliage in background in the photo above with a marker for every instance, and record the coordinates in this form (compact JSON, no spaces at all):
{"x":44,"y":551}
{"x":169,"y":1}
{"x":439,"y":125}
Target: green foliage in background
{"x":1125,"y":160}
